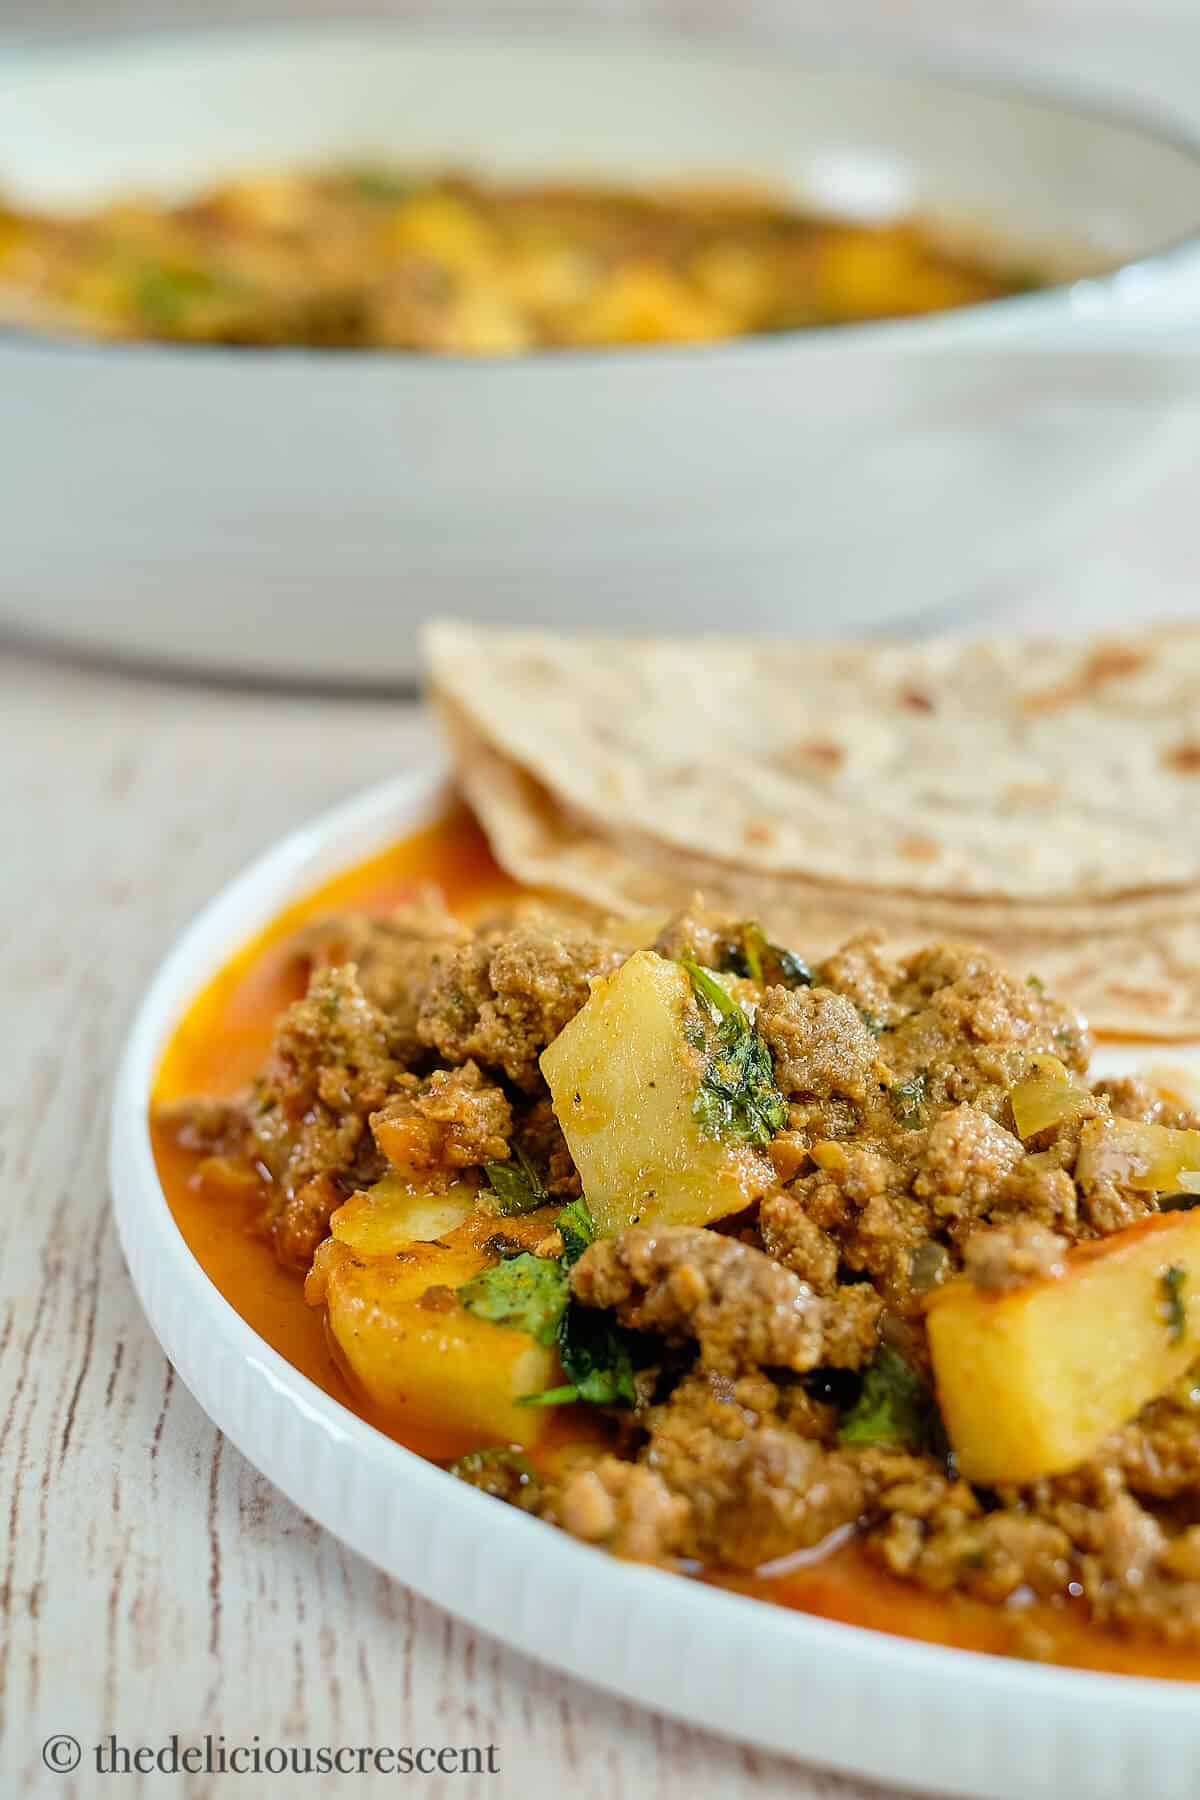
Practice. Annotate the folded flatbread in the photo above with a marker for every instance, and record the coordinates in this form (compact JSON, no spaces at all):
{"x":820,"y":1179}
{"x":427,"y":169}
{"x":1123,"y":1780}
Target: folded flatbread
{"x":580,"y":795}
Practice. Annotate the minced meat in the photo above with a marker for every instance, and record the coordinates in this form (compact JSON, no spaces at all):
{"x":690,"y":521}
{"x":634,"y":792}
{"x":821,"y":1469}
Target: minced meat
{"x":743,"y":1310}
{"x":501,"y":999}
{"x":896,"y":1166}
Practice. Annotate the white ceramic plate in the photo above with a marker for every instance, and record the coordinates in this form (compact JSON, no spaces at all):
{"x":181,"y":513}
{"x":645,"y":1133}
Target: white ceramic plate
{"x":913,"y":1714}
{"x":293,"y":513}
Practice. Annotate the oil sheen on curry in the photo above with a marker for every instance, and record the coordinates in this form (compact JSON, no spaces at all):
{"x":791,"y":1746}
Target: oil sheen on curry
{"x":837,"y":1283}
{"x":378,"y":258}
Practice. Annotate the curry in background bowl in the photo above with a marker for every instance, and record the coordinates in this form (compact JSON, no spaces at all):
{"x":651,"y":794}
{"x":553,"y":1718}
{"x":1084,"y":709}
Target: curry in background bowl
{"x":374,"y":257}
{"x":224,"y":498}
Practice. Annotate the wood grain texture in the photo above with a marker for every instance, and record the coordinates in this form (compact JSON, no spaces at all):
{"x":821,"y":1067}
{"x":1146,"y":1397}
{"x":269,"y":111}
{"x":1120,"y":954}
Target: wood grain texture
{"x":151,"y":1581}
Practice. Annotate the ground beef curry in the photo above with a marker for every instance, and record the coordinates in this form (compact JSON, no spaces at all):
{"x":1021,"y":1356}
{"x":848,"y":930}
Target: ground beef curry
{"x":379,"y":258}
{"x":703,"y":1254}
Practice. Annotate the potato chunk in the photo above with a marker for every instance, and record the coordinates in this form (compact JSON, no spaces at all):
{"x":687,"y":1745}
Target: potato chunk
{"x":624,"y":1076}
{"x":399,"y":1211}
{"x":1031,"y":1381}
{"x":447,"y":1379}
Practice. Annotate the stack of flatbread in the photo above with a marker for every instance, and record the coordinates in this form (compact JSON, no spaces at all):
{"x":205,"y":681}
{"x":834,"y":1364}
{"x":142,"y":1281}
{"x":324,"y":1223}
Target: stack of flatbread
{"x":1041,"y":798}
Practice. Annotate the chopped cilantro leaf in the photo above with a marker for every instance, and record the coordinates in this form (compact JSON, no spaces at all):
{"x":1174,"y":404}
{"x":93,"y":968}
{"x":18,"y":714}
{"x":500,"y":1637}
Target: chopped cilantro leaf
{"x":746,"y":958}
{"x":894,"y":1406}
{"x":533,"y":1294}
{"x":556,"y":1396}
{"x":599,"y":1357}
{"x":383,"y":186}
{"x":1173,"y":1307}
{"x":908,"y":1098}
{"x":737,"y":1099}
{"x":164,"y":293}
{"x":791,"y":970}
{"x":576,"y":1230}
{"x":707,"y":987}
{"x":517,"y":1190}
{"x":527,"y":1292}
{"x":766,"y":963}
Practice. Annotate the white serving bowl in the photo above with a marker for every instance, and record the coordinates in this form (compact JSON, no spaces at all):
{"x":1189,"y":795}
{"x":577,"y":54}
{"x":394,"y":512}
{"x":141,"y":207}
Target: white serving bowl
{"x":296,"y":513}
{"x":912,"y":1714}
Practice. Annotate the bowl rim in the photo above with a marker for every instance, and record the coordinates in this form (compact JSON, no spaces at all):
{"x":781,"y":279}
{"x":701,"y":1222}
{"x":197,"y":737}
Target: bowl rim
{"x":678,"y":1646}
{"x":1087,"y":296}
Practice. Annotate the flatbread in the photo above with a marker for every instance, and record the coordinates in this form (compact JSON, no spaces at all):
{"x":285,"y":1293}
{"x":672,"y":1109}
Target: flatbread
{"x":1131,"y":967}
{"x":1021,"y":770}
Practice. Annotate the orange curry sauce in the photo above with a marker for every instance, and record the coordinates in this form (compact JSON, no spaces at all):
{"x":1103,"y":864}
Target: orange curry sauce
{"x":217,"y":1049}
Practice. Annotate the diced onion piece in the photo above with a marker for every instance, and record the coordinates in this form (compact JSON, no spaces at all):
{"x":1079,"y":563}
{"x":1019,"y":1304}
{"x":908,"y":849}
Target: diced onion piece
{"x":399,"y":1210}
{"x":1048,"y":1068}
{"x":1153,"y":1159}
{"x":1047,"y":1097}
